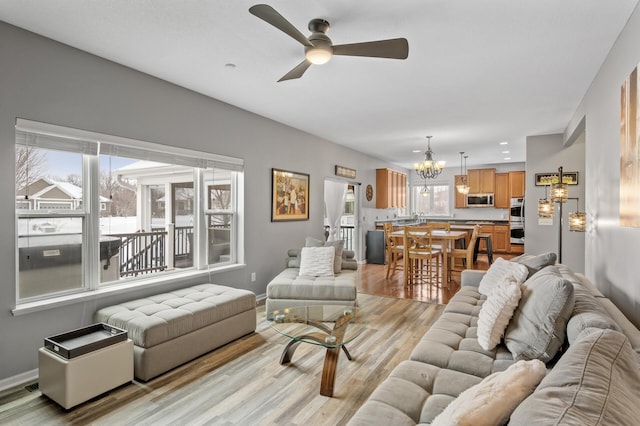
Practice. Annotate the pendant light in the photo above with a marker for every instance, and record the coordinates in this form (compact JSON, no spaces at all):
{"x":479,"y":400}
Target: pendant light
{"x":463,"y":186}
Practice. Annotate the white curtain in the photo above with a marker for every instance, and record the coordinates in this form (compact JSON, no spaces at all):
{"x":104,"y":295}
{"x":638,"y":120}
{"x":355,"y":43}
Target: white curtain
{"x":334,"y":197}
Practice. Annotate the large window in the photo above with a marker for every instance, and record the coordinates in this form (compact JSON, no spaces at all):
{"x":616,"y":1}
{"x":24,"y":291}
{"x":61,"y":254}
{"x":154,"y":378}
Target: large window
{"x":433,"y":202}
{"x":95,"y":210}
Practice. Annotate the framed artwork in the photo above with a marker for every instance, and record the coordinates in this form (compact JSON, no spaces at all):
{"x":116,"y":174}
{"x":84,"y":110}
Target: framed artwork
{"x":629,"y":155}
{"x":544,"y":179}
{"x":289,"y":195}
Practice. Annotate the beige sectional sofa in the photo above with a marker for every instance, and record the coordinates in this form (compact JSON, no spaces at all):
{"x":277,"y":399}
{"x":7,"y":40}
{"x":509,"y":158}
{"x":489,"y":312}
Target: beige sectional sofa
{"x":593,"y":379}
{"x":172,"y":328}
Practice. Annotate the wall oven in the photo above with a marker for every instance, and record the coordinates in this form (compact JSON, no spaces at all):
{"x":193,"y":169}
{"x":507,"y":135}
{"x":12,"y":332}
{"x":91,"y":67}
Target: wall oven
{"x":516,"y":221}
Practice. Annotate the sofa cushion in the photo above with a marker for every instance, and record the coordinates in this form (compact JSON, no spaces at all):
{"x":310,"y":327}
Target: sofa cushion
{"x":337,"y":245}
{"x":452,"y":341}
{"x":413,"y":393}
{"x":317,"y":261}
{"x":535,"y":262}
{"x":496,"y":312}
{"x":492,"y":401}
{"x":499,"y":271}
{"x":538,"y":327}
{"x":596,"y":382}
{"x":587,"y":312}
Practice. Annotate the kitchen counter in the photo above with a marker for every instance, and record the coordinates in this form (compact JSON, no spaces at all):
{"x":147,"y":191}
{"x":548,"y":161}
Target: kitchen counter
{"x":409,"y":221}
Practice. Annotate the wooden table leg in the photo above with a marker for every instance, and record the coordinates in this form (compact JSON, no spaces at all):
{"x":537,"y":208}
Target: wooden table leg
{"x":329,"y":371}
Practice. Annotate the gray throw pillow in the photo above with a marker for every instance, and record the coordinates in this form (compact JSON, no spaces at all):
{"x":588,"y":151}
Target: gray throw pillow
{"x":538,"y":327}
{"x":339,"y":246}
{"x":535,"y":263}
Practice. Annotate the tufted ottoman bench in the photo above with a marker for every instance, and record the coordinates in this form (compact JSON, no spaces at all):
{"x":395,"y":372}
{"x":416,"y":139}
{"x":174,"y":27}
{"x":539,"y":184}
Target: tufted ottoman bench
{"x":172,"y":328}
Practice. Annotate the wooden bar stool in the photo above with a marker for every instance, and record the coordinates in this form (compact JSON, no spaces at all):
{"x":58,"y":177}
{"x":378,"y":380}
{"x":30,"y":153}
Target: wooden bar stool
{"x":488,"y":248}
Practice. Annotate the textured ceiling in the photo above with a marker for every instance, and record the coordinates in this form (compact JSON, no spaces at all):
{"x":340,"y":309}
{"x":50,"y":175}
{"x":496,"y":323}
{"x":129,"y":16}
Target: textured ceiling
{"x":478,"y":72}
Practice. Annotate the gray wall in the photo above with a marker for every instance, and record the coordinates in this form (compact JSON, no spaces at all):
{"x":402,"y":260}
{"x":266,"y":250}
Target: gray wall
{"x":46,"y":81}
{"x":545,"y":154}
{"x":611,"y":256}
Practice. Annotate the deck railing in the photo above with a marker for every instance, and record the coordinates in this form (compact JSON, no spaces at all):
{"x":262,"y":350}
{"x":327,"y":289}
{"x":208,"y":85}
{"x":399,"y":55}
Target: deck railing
{"x":142,"y":252}
{"x":345,"y":234}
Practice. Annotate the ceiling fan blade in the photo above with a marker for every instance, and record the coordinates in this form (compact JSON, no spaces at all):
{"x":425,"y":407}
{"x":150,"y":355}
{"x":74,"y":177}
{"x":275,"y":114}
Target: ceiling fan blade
{"x":395,"y":48}
{"x":297,"y":71}
{"x":271,"y":16}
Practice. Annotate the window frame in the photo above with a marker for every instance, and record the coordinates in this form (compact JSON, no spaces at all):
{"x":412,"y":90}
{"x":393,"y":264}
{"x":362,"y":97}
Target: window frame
{"x":415,"y":188}
{"x":203,"y":162}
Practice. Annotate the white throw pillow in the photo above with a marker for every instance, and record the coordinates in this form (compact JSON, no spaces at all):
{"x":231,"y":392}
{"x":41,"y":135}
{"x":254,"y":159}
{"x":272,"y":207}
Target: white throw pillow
{"x":317,"y":261}
{"x":492,"y":401}
{"x":499,"y":270}
{"x":496,"y":312}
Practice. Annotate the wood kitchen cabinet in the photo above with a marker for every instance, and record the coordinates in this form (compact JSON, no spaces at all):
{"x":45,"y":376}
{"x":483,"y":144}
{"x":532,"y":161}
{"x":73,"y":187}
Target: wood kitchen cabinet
{"x":502,"y":195}
{"x":481,"y":181}
{"x":461,"y":199}
{"x":516,"y":184}
{"x":391,"y":189}
{"x":501,"y":239}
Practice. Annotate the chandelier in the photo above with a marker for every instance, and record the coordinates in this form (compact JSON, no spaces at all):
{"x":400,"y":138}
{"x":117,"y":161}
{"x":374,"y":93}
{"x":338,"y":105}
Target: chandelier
{"x":429,"y":168}
{"x":463,"y":185}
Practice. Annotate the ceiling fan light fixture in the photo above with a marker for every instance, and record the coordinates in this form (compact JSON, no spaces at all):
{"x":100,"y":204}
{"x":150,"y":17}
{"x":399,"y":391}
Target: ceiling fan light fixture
{"x":318,"y":55}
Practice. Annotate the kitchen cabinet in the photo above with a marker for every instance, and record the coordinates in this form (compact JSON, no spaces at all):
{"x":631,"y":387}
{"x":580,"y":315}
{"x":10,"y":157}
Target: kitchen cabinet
{"x":391,"y":189}
{"x":502,"y":196}
{"x":516,"y":184}
{"x":481,"y":181}
{"x":501,"y":239}
{"x":461,"y":199}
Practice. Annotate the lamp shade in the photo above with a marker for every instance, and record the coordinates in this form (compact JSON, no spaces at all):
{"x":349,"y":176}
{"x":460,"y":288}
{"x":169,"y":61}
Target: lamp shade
{"x":559,"y":192}
{"x":577,"y":221}
{"x":545,"y":208}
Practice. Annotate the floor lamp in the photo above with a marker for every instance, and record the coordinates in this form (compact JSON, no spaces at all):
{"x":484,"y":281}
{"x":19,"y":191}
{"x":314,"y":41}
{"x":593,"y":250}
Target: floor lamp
{"x":559,"y":194}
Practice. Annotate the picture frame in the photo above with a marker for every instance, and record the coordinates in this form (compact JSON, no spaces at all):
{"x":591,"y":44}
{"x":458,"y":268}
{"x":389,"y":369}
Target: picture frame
{"x":289,"y":195}
{"x":546,"y":179}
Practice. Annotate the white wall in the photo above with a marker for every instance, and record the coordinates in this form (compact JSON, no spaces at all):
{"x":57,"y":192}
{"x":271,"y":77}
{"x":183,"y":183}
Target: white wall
{"x":46,"y":81}
{"x":611,"y":257}
{"x":544,"y":155}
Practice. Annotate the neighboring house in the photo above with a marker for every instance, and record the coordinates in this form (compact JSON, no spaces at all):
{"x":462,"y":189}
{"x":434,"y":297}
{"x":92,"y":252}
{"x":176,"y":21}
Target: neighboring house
{"x":48,"y":194}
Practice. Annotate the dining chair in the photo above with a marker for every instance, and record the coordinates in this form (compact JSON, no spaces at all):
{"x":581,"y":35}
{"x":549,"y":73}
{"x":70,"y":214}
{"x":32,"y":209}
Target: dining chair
{"x":421,"y":257}
{"x":464,"y":255}
{"x":395,"y":251}
{"x":439,"y":226}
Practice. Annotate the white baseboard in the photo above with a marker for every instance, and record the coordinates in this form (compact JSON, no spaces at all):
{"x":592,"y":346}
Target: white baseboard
{"x":22,"y":378}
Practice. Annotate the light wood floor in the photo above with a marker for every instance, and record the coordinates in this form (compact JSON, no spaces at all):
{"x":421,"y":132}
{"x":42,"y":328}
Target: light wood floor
{"x":242,"y":383}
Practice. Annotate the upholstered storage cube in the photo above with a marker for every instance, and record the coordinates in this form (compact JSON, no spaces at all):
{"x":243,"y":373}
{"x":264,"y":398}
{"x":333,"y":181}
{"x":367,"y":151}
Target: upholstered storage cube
{"x":70,"y":382}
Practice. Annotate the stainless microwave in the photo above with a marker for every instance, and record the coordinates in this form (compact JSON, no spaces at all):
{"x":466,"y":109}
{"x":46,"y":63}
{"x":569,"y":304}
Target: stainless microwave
{"x":479,"y":200}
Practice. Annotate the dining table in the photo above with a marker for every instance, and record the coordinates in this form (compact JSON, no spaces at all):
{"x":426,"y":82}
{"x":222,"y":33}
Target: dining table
{"x":446,"y":239}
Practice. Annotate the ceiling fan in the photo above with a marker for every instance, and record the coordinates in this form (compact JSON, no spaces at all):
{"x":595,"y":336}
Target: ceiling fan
{"x":318,"y":47}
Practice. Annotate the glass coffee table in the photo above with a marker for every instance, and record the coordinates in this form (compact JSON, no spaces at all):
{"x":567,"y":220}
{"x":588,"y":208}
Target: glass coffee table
{"x":330,"y":326}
